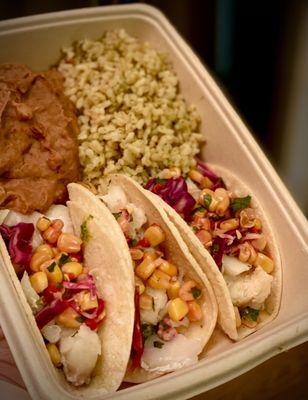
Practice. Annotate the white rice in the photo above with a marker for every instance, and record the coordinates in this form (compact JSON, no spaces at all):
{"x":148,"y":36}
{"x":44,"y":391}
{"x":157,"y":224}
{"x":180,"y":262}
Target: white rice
{"x":132,"y":117}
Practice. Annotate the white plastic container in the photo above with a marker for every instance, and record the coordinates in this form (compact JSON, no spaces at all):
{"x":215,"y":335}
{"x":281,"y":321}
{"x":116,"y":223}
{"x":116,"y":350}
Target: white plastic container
{"x":37,"y":41}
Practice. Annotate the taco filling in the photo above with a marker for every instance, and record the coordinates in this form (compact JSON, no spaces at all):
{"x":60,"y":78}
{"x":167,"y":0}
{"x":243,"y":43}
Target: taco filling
{"x":62,"y":294}
{"x":167,"y":301}
{"x":230,"y":229}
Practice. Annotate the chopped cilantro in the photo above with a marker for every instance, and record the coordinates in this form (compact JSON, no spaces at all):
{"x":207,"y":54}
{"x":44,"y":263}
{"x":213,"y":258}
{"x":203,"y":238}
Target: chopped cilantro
{"x":84,"y":231}
{"x":117,"y":215}
{"x":39,"y":302}
{"x":196,"y":292}
{"x":239,"y":203}
{"x":134,"y":242}
{"x":195,"y":229}
{"x":147,"y":330}
{"x":59,"y":286}
{"x":164,"y":325}
{"x":80,"y":318}
{"x":160,"y":181}
{"x":199,"y":210}
{"x":51,"y":267}
{"x":74,"y":334}
{"x":158,"y":344}
{"x":63,"y":259}
{"x":207,"y":200}
{"x":250,"y":313}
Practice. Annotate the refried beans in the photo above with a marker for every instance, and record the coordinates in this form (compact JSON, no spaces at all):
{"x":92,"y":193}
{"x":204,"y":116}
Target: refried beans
{"x":38,"y":139}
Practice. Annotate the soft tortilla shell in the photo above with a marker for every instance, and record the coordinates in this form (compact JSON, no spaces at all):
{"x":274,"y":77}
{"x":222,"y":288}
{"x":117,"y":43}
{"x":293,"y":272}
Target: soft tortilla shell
{"x":106,"y":254}
{"x":177,"y":251}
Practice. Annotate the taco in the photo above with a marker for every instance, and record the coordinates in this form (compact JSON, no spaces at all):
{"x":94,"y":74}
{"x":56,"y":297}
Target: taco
{"x":73,"y":274}
{"x":175,"y":306}
{"x":227,"y":233}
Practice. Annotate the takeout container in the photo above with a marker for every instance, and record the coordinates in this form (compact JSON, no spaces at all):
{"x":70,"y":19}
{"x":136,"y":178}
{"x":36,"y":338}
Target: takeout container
{"x":37,"y":41}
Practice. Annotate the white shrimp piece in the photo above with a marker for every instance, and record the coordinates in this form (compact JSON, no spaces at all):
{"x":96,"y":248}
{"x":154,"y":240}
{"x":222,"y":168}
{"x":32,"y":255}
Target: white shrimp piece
{"x":79,"y":355}
{"x":13,"y":218}
{"x":175,"y":354}
{"x":59,"y":211}
{"x":160,"y":299}
{"x":115,"y":199}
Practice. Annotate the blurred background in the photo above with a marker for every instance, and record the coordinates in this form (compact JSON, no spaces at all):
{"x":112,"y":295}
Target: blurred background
{"x":258,"y":53}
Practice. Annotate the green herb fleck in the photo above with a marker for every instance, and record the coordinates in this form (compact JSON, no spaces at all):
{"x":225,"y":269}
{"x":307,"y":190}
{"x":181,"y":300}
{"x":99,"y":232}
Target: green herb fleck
{"x":63,"y":259}
{"x":199,"y":210}
{"x":59,"y":286}
{"x":51,"y":267}
{"x":195,"y":229}
{"x":117,"y":215}
{"x":84,"y":231}
{"x":134,"y":242}
{"x":207,"y":200}
{"x":160,"y":181}
{"x":239,"y":203}
{"x":74,"y":334}
{"x":147,"y":330}
{"x":250,"y":313}
{"x":158,"y":344}
{"x":80,"y":318}
{"x":39,"y":302}
{"x":196,"y":292}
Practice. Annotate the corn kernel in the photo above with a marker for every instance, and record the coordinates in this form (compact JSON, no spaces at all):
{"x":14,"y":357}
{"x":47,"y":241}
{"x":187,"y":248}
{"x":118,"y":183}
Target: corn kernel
{"x":159,"y":280}
{"x":168,"y":268}
{"x":39,"y":281}
{"x":136,"y":254}
{"x":146,"y":267}
{"x":264,"y":262}
{"x":54,"y":354}
{"x":194,"y":311}
{"x":195,"y":175}
{"x":44,"y":248}
{"x":69,"y":243}
{"x":72,"y":267}
{"x":69,"y":318}
{"x":139,"y":285}
{"x":146,"y":302}
{"x":206,"y":183}
{"x":155,"y":235}
{"x":43,"y":223}
{"x":53,"y":271}
{"x":173,"y":290}
{"x":38,"y":259}
{"x":85,"y":301}
{"x":229,"y":224}
{"x":177,"y":309}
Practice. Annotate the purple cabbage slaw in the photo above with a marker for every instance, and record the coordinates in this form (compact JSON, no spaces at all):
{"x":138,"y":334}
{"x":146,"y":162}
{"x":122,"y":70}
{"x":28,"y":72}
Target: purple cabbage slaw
{"x":174,"y":191}
{"x":18,"y":240}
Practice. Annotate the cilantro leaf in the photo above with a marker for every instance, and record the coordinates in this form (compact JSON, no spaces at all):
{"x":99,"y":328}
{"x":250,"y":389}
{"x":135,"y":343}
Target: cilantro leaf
{"x":63,"y":259}
{"x":147,"y":330}
{"x":207,"y":200}
{"x":51,"y":267}
{"x":84,"y":231}
{"x":158,"y":344}
{"x":196,"y":292}
{"x":160,"y":181}
{"x":250,"y":313}
{"x":239,"y":203}
{"x":117,"y":214}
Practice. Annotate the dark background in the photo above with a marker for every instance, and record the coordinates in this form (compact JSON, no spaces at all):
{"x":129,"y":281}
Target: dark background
{"x":257,"y":50}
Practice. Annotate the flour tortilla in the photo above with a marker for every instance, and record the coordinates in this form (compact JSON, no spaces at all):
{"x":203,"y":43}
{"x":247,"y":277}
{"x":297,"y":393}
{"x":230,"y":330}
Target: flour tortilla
{"x":226,"y":315}
{"x":177,"y":251}
{"x":108,"y":258}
